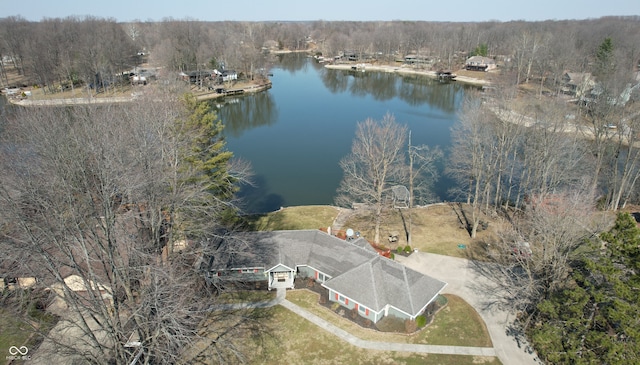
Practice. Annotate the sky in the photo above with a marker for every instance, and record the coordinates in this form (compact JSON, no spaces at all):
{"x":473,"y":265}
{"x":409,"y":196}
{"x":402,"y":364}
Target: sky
{"x":330,"y":10}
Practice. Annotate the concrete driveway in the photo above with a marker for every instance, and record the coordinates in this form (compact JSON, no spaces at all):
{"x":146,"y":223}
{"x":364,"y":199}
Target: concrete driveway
{"x":466,"y":282}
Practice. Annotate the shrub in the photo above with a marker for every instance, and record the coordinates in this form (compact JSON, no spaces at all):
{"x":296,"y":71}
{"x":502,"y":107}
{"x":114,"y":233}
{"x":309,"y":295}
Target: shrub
{"x":441,"y":300}
{"x":407,"y":249}
{"x":392,"y":256}
{"x":399,"y":249}
{"x":421,"y":321}
{"x":410,"y":326}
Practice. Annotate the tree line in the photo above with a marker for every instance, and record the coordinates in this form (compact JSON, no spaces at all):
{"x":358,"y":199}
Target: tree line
{"x":79,"y":48}
{"x":550,"y":168}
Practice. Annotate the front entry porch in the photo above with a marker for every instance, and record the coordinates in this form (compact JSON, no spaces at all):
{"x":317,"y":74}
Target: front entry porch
{"x":281,"y":276}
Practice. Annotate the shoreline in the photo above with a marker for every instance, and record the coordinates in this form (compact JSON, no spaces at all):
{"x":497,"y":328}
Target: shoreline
{"x":124,"y":99}
{"x":407,"y":71}
{"x":252,"y":89}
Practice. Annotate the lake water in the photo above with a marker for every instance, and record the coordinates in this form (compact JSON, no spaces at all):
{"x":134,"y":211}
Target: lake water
{"x":295,"y":133}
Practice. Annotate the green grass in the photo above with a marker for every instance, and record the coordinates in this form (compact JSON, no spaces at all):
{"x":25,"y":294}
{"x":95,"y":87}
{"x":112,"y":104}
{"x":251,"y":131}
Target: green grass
{"x":245,"y":296}
{"x":291,"y":339}
{"x":457,"y":324}
{"x":298,"y":341}
{"x":291,"y":218}
{"x":24,"y":324}
{"x":13,"y":332}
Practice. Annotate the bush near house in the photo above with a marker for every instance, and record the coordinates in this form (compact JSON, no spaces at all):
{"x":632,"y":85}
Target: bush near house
{"x":410,"y":326}
{"x":421,"y":321}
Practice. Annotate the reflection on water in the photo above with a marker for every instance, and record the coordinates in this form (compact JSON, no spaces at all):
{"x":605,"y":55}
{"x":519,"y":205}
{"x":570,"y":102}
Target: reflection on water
{"x":296,"y":133}
{"x":259,"y":197}
{"x":248,"y":112}
{"x":293,"y":62}
{"x":382,"y":86}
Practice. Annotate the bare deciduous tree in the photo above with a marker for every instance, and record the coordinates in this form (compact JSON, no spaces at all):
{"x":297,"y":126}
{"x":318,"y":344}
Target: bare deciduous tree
{"x":533,"y":257}
{"x":422,"y":174}
{"x":376,"y":163}
{"x":95,"y":197}
{"x":472,"y":159}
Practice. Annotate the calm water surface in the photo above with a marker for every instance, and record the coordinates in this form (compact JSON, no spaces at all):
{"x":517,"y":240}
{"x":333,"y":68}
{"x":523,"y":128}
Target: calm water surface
{"x":296,"y":133}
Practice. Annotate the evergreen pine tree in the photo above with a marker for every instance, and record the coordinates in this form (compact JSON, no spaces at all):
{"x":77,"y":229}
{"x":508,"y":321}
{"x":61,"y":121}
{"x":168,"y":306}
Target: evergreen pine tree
{"x":596,"y":318}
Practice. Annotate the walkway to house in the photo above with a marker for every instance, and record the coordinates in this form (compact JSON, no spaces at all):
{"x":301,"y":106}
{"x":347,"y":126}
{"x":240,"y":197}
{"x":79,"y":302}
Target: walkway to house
{"x":353,"y":340}
{"x":386,"y":346}
{"x":463,"y":281}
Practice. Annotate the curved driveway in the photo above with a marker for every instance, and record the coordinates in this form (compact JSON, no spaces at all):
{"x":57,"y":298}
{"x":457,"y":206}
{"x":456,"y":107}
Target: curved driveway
{"x":467,"y":283}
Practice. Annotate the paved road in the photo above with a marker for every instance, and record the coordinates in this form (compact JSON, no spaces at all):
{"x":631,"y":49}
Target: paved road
{"x":465,"y":282}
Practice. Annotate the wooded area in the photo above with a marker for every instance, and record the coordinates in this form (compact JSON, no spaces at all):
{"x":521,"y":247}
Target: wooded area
{"x":73,"y":49}
{"x":111,"y":193}
{"x":108,"y":209}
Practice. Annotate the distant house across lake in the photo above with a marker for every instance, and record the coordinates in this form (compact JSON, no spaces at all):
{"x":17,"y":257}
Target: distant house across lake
{"x":480,"y":63}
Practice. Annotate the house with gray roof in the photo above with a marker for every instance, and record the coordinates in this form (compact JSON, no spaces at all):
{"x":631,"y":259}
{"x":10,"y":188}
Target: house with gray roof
{"x":352,"y":271}
{"x":480,"y":63}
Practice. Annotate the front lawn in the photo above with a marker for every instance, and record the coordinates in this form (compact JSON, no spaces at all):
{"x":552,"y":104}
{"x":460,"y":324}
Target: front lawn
{"x":457,"y":324}
{"x":298,"y":341}
{"x":291,"y":339}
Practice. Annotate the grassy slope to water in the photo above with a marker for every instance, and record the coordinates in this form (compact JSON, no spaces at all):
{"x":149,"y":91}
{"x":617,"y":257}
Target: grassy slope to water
{"x":301,"y":217}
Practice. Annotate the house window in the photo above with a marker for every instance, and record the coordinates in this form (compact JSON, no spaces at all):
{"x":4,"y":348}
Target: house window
{"x":343,"y":299}
{"x":362,"y":309}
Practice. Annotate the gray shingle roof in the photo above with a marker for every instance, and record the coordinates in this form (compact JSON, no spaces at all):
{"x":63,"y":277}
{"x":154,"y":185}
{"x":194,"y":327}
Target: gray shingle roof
{"x":315,"y":248}
{"x":356,"y":270}
{"x":381,"y":281}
